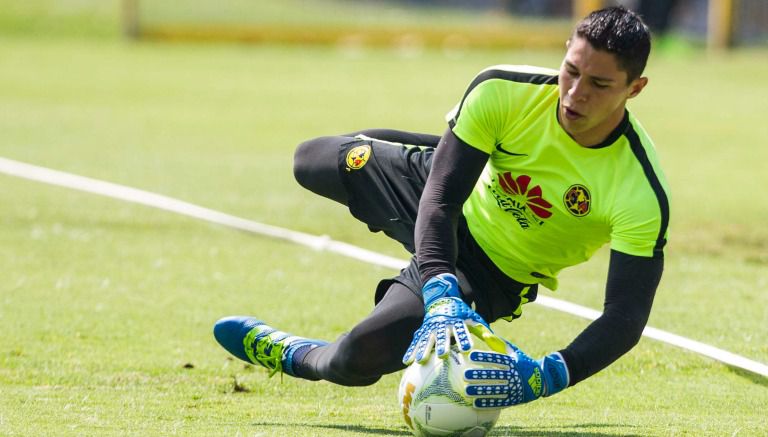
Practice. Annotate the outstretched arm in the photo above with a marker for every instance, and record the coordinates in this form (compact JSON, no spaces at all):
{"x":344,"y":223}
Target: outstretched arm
{"x":629,"y":293}
{"x":455,"y":168}
{"x":631,"y":286}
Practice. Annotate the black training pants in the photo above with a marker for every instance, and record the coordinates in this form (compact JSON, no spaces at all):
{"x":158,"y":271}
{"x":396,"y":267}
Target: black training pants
{"x":381,"y":184}
{"x":376,"y":345}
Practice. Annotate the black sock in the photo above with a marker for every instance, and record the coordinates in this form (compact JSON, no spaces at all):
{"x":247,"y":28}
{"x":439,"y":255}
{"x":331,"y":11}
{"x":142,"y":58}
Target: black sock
{"x":299,"y":369}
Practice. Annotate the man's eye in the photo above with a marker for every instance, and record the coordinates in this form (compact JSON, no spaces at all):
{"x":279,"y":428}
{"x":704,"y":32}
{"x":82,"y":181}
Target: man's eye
{"x":601,"y":85}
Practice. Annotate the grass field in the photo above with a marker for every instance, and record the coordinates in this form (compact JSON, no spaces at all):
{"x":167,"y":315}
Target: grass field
{"x":106,"y":308}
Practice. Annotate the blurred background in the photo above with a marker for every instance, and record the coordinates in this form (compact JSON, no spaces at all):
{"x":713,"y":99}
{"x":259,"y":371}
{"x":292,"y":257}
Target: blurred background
{"x":488,"y":23}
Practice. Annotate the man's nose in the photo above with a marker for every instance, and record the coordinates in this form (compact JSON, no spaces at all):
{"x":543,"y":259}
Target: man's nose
{"x":578,"y":91}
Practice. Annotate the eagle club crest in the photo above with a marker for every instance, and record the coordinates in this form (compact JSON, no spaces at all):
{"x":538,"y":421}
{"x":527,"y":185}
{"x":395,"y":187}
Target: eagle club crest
{"x":577,"y":200}
{"x":358,"y":156}
{"x":516,"y":196}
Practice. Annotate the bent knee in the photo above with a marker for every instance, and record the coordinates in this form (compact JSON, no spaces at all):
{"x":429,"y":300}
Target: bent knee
{"x":316,"y":167}
{"x":353,"y":372}
{"x":303,"y":165}
{"x":316,"y":157}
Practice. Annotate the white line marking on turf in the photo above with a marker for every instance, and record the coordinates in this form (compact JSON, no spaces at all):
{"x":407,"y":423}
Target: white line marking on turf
{"x":664,"y":336}
{"x":115,"y":191}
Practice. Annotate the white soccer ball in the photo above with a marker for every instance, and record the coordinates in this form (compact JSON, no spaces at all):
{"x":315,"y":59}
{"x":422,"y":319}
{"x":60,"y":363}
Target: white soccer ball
{"x":434,"y":403}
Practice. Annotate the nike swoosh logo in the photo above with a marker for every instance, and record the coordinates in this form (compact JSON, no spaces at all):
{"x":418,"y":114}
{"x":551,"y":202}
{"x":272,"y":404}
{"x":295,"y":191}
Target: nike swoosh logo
{"x":500,"y":149}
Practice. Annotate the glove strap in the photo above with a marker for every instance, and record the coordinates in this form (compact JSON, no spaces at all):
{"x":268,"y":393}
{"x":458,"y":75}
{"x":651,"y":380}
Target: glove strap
{"x":555,"y":371}
{"x":442,"y":285}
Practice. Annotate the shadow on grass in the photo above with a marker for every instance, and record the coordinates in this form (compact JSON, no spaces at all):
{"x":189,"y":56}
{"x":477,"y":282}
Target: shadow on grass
{"x":563,"y":431}
{"x":751,"y":377}
{"x":359,"y":429}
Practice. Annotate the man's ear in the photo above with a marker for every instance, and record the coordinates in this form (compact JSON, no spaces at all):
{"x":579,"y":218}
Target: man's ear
{"x":637,"y":86}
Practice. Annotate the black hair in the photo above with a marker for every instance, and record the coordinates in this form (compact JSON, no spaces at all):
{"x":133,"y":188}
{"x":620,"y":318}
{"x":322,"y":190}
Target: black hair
{"x":621,"y":32}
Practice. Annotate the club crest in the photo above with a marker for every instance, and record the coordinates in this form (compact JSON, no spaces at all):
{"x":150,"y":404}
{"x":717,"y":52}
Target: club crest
{"x":358,"y":157}
{"x":578,"y":200}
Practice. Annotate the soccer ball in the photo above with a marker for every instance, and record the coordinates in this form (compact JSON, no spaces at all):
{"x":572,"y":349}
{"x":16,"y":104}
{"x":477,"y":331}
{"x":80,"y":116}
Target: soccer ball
{"x":433,"y":401}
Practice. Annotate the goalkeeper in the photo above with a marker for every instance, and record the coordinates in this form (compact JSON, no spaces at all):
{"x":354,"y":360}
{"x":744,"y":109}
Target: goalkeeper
{"x":536,"y":171}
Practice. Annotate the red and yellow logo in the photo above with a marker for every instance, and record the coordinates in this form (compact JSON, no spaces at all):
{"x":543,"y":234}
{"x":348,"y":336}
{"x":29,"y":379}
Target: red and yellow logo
{"x":358,"y":156}
{"x":578,"y":200}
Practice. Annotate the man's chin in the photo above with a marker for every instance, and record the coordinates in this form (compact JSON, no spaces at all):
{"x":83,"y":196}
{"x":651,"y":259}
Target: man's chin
{"x":573,"y":127}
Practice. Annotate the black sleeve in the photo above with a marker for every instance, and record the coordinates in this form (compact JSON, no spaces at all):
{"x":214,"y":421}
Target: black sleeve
{"x":456,"y":166}
{"x":631,"y":286}
{"x":399,"y":136}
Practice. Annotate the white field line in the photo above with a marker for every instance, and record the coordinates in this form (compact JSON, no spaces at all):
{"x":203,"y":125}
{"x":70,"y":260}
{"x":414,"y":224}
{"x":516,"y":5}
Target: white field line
{"x":121,"y":192}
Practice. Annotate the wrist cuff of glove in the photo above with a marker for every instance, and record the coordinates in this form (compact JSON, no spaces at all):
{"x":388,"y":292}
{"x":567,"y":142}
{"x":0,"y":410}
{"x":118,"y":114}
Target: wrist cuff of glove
{"x":556,"y":374}
{"x":442,"y":285}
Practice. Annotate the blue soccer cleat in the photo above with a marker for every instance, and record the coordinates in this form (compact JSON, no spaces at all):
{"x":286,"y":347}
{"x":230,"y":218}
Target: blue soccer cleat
{"x":254,"y":341}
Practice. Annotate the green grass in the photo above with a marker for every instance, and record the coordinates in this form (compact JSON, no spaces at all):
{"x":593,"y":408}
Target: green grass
{"x":106,"y":308}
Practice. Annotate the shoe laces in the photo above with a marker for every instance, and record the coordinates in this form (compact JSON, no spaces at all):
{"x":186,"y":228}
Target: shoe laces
{"x":268,"y":352}
{"x":270,"y":355}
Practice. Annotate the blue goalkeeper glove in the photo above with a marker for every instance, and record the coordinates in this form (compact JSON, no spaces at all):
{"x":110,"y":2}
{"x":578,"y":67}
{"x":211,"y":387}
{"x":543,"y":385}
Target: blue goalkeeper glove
{"x":447,"y":316}
{"x":519,"y":378}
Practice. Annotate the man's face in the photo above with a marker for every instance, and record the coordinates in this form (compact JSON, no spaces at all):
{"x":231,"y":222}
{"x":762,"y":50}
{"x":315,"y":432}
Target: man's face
{"x":593,"y":92}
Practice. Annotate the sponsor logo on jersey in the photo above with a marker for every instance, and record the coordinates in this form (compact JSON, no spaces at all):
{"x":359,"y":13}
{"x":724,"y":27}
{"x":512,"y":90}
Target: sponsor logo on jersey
{"x":358,"y":157}
{"x":577,"y":200}
{"x":516,"y":196}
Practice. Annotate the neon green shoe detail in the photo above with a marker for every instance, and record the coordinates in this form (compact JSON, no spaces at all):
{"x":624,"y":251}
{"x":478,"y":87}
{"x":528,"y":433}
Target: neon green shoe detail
{"x":267,"y":352}
{"x":255,"y":342}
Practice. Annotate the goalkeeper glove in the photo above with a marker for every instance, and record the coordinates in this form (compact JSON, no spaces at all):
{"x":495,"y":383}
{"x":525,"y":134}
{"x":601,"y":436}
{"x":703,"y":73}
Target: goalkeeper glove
{"x":447,"y":316}
{"x":519,"y":378}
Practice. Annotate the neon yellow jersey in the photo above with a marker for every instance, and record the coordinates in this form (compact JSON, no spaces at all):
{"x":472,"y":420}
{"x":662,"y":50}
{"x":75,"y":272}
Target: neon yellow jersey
{"x":544,"y":202}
